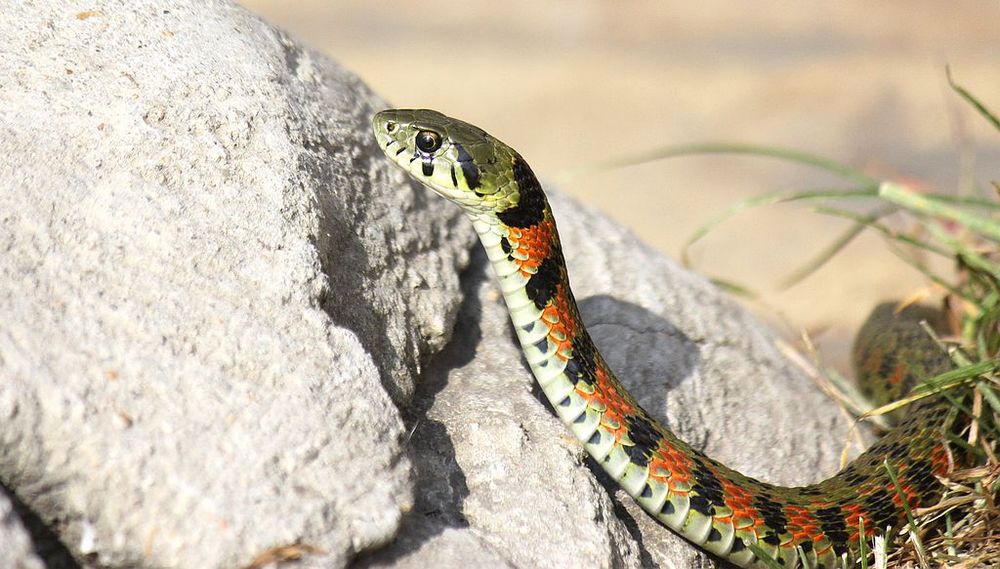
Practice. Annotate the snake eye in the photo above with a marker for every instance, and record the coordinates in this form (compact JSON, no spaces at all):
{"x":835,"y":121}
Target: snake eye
{"x":428,"y":141}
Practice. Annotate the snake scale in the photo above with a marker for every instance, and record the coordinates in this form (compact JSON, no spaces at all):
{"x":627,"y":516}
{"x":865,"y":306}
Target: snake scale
{"x":715,"y":507}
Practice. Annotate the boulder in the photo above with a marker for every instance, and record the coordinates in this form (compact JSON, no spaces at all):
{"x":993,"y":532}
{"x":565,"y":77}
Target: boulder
{"x":212,"y":288}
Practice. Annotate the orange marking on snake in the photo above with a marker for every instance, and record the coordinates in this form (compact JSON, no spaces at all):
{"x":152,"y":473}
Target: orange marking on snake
{"x":740,"y":502}
{"x":676,"y":463}
{"x":801,"y":524}
{"x":562,"y":323}
{"x":898,"y":373}
{"x":853,"y":521}
{"x":616,"y":407}
{"x":939,"y":460}
{"x":531,"y":245}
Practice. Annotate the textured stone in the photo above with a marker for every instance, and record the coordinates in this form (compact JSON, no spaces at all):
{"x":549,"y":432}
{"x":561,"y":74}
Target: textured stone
{"x":16,"y":551}
{"x":210,"y":285}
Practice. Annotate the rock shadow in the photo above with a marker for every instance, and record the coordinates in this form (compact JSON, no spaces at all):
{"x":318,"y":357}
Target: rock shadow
{"x":44,"y":538}
{"x":440,"y":487}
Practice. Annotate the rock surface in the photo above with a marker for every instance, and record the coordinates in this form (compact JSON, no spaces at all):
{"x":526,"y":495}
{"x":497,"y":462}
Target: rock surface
{"x":218,"y":301}
{"x":16,"y":551}
{"x":210,"y":285}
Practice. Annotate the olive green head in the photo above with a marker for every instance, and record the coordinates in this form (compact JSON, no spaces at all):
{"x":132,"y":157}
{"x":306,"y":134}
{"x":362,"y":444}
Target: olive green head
{"x":455,"y":159}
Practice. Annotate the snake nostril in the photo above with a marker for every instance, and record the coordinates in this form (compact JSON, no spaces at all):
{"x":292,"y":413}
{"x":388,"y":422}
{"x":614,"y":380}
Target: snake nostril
{"x":390,"y":127}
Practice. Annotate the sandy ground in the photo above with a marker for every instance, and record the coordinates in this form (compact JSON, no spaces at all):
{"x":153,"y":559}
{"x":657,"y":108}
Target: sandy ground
{"x":574,"y":82}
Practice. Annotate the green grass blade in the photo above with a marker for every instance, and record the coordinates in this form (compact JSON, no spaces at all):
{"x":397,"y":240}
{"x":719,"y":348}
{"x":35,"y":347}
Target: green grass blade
{"x":927,"y":205}
{"x":786,"y":154}
{"x":894,"y":476}
{"x":870,"y":221}
{"x":969,"y":98}
{"x":939,"y":383}
{"x":827,"y":253}
{"x":768,"y":199}
{"x":764,"y":556}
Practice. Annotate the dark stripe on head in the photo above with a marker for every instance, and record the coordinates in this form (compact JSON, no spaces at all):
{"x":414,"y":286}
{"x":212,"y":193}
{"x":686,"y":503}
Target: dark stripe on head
{"x":427,"y":167}
{"x":542,"y":285}
{"x":530,"y":208}
{"x":454,"y":180}
{"x":469,"y":169}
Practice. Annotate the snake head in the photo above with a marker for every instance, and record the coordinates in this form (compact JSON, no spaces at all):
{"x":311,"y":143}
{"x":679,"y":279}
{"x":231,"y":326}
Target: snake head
{"x":459,"y":161}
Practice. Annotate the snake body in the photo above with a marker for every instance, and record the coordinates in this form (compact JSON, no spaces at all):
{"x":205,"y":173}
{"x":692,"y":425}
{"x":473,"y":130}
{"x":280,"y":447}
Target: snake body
{"x":715,"y":507}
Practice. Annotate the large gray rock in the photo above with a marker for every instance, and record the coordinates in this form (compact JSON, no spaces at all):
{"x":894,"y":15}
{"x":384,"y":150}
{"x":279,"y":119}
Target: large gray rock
{"x":211,"y":283}
{"x":217,"y":301}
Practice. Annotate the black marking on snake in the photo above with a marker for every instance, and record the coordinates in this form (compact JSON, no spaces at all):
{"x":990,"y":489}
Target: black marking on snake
{"x":806,"y":546}
{"x":542,"y":345}
{"x":771,"y":512}
{"x":582,"y":417}
{"x":530,"y":208}
{"x":454,"y":179}
{"x":738,"y":545}
{"x":427,"y":167}
{"x":919,"y":474}
{"x":645,"y":437}
{"x":701,"y":505}
{"x":667,"y":509}
{"x":852,"y":477}
{"x":565,"y":402}
{"x":469,"y":169}
{"x":505,"y":245}
{"x":401,"y":150}
{"x":831,"y":520}
{"x":581,"y":366}
{"x":647,"y":492}
{"x":879,"y":507}
{"x":707,"y":485}
{"x":772,"y":539}
{"x":542,"y":285}
{"x":714,"y":535}
{"x":530,"y":325}
{"x":594,"y":438}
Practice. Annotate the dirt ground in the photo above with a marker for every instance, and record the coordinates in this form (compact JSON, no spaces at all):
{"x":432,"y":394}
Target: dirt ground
{"x":570,"y":83}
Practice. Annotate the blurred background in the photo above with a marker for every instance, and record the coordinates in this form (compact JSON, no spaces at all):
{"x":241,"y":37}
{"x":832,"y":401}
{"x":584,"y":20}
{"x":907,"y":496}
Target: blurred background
{"x":570,"y":83}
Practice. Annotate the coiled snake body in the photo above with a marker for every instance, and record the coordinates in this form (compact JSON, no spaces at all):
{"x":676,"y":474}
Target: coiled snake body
{"x":715,"y":507}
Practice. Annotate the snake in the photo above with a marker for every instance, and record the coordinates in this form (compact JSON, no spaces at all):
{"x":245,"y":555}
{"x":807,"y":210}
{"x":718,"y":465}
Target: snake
{"x":746,"y":521}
